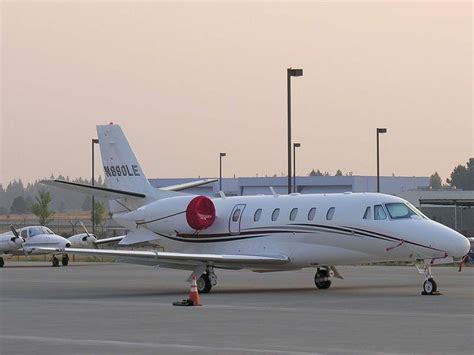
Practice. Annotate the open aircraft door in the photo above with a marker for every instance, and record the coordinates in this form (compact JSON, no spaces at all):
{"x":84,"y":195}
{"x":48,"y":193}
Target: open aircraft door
{"x":235,"y":218}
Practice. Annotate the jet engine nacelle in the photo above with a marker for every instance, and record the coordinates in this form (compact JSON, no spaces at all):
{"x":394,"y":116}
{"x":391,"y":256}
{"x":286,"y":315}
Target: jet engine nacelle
{"x":183,"y":215}
{"x":82,"y":240}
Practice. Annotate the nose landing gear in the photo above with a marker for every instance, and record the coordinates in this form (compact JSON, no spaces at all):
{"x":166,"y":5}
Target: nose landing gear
{"x":430,"y":287}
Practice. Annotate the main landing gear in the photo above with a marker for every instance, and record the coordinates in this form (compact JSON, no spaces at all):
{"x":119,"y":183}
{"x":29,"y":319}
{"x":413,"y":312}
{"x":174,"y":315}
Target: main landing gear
{"x":54,"y":261}
{"x":2,"y":262}
{"x":429,"y":286}
{"x":207,"y":280}
{"x":322,"y":278}
{"x":65,"y":260}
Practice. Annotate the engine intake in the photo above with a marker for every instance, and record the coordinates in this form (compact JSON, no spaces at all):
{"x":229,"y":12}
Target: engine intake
{"x":200,"y":213}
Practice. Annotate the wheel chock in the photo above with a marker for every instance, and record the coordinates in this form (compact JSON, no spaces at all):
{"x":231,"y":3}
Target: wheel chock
{"x":184,"y":303}
{"x":436,"y":293}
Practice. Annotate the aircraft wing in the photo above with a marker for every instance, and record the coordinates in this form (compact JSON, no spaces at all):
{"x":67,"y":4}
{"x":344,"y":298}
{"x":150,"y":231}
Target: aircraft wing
{"x":168,"y":258}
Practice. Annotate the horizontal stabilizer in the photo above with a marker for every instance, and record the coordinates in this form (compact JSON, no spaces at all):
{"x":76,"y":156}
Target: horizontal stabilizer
{"x":93,"y":190}
{"x":188,"y":185}
{"x":182,"y":258}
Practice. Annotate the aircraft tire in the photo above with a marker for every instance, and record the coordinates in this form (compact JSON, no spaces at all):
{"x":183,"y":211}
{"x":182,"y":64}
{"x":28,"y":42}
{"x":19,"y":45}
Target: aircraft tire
{"x":55,"y":262}
{"x":322,"y":285}
{"x":430,"y":286}
{"x":2,"y":262}
{"x":204,"y":284}
{"x":65,"y":260}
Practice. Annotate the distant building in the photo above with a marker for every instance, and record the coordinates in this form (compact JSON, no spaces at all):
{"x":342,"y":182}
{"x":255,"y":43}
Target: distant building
{"x":304,"y":184}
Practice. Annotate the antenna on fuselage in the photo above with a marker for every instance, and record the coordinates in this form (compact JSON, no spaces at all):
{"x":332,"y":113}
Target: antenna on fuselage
{"x":223,"y":196}
{"x":273,"y":191}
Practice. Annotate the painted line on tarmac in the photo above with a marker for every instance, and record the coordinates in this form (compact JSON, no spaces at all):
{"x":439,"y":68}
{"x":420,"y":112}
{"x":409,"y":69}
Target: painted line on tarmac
{"x":135,"y":345}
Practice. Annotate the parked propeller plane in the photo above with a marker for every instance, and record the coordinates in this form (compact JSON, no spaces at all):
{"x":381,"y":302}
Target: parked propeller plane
{"x":30,"y":241}
{"x":261,"y":233}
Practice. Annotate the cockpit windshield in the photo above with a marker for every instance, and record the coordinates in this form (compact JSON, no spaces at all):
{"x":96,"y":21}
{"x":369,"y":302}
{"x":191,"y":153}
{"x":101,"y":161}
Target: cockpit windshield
{"x":39,"y":230}
{"x":400,"y":210}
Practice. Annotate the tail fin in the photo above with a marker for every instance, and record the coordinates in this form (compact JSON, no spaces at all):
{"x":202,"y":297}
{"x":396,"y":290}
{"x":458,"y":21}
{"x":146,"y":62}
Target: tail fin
{"x":121,"y":168}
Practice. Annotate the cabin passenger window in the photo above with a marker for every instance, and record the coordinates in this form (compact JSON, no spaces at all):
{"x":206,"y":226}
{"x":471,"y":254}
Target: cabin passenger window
{"x":311,"y":213}
{"x":236,"y":215}
{"x":368,"y":213}
{"x":379,"y":213}
{"x":330,"y":213}
{"x":257,"y":215}
{"x":293,"y":214}
{"x":275,"y":214}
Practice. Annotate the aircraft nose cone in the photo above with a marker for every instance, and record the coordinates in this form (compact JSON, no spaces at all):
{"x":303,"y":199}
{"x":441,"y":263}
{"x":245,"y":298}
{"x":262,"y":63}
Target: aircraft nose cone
{"x":465,"y":246}
{"x":62,"y":242}
{"x":459,"y":246}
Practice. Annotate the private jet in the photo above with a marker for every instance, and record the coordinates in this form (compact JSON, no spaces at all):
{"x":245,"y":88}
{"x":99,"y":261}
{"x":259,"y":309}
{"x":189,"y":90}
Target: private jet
{"x":266,"y":233}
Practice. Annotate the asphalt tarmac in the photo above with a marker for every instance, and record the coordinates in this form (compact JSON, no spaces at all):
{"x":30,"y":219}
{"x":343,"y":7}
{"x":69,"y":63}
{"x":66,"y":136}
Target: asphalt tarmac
{"x":91,"y":308}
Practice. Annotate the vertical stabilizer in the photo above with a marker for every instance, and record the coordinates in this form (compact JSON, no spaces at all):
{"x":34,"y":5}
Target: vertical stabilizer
{"x":122,"y":170}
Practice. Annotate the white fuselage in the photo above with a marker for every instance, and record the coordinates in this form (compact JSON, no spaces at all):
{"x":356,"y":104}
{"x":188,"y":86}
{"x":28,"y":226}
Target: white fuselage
{"x":336,"y":234}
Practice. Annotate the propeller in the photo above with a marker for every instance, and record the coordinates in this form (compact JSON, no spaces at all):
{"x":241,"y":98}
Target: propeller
{"x":91,"y":236}
{"x":17,"y":236}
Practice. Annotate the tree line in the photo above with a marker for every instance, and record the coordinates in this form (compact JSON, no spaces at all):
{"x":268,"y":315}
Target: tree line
{"x":16,"y":198}
{"x":462,"y":177}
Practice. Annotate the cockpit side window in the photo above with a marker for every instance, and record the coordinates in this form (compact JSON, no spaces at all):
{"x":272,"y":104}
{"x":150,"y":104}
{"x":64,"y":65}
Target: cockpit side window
{"x":379,"y":213}
{"x":36,"y":230}
{"x":368,"y":213}
{"x":24,"y":233}
{"x":399,"y":210}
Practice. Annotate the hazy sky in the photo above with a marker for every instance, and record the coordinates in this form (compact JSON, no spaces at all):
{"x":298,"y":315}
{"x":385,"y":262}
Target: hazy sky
{"x":189,"y":79}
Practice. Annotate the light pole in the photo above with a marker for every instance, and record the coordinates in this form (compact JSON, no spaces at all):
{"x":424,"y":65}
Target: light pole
{"x":295,"y":145}
{"x":379,"y":131}
{"x":220,"y":170}
{"x":289,"y":73}
{"x":94,"y":141}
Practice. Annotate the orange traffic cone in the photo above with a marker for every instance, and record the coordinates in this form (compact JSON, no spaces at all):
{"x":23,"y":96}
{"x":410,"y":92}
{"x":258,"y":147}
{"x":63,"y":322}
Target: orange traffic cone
{"x":193,"y":298}
{"x":193,"y":292}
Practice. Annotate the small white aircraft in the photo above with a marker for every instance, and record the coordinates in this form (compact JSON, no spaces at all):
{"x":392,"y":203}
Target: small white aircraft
{"x":262,"y":233}
{"x":87,"y":239}
{"x":31,"y":241}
